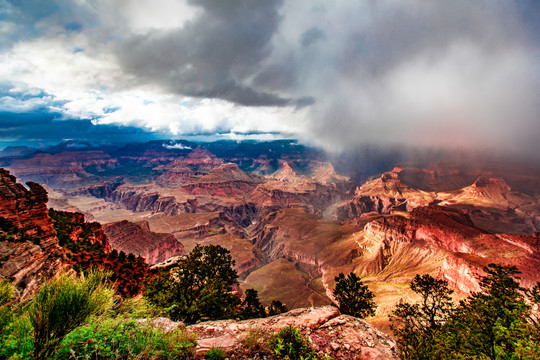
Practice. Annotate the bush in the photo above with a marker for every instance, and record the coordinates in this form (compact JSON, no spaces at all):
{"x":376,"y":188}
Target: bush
{"x":290,"y":344}
{"x":251,"y":306}
{"x":499,"y":322}
{"x":276,"y":307}
{"x":64,"y":303}
{"x":123,"y":338}
{"x":6,"y":310}
{"x":215,"y":354}
{"x":353,"y":297}
{"x":17,"y":342}
{"x":256,"y":340}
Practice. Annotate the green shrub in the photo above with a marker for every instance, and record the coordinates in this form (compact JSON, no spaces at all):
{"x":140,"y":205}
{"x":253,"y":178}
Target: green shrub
{"x":123,"y":338}
{"x":276,"y":307}
{"x":256,"y":340}
{"x":6,"y":310}
{"x":251,"y":306}
{"x":17,"y":341}
{"x":215,"y":354}
{"x":353,"y":297}
{"x":290,"y":344}
{"x":64,"y":303}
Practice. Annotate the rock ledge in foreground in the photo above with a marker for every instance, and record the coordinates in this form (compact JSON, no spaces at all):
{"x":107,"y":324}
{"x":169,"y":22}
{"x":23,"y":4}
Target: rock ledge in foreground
{"x":342,"y":336}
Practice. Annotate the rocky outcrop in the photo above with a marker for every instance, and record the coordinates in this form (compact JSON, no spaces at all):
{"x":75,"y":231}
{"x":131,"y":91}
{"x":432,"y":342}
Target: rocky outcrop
{"x":467,"y":249}
{"x":391,"y":229}
{"x":329,"y":332}
{"x":367,"y":204}
{"x":27,"y":263}
{"x":25,"y":209}
{"x":491,"y":192}
{"x":137,"y":239}
{"x":80,"y":230}
{"x":23,"y":214}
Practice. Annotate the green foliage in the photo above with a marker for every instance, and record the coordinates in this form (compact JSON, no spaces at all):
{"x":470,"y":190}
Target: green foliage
{"x":276,"y":307}
{"x":215,"y":354}
{"x":251,"y":306}
{"x":353,"y":297}
{"x":290,"y":344}
{"x":124,"y":338}
{"x":6,"y":304}
{"x":17,"y":341}
{"x":416,"y":325}
{"x":495,"y":323}
{"x":64,"y":303}
{"x":199,"y":288}
{"x":256,"y":341}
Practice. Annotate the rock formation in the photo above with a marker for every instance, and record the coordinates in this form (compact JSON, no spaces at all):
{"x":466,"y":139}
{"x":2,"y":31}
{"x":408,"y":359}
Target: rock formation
{"x":329,"y":332}
{"x":25,"y":209}
{"x":29,"y":249}
{"x":137,"y":239}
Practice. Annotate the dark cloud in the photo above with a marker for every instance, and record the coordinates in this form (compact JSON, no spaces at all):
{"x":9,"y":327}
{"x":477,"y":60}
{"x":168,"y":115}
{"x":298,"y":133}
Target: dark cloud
{"x":456,"y":74}
{"x":213,"y":56}
{"x":43,"y":128}
{"x":311,"y":36}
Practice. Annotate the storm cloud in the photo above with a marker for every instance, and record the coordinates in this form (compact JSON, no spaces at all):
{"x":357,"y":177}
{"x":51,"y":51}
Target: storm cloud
{"x":342,"y":75}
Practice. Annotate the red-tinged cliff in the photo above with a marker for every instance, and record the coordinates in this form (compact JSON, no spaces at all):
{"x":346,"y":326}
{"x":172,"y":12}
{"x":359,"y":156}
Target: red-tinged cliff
{"x":23,"y":208}
{"x":188,"y":169}
{"x":383,"y":195}
{"x":29,"y":248}
{"x":467,"y":248}
{"x":137,"y":239}
{"x":36,"y":243}
{"x":65,"y":169}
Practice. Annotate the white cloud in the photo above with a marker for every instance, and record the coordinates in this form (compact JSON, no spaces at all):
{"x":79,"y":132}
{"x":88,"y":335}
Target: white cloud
{"x":85,"y":84}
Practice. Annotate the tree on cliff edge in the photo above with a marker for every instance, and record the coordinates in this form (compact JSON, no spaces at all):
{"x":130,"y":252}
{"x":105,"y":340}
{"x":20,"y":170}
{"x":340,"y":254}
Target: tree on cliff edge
{"x":199,"y":288}
{"x":353,"y":297}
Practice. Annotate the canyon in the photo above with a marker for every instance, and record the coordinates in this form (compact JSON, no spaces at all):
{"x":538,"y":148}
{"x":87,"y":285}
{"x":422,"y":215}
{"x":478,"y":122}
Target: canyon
{"x":292,"y":218}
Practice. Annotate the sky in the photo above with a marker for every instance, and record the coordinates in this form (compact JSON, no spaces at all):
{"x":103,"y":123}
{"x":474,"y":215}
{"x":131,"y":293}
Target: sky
{"x":344,"y":74}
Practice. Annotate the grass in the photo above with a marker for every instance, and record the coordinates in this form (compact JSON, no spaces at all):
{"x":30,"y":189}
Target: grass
{"x":125,"y":338}
{"x":64,"y":303}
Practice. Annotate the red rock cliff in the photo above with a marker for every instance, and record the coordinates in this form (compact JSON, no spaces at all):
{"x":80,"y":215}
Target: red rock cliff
{"x":26,"y":209}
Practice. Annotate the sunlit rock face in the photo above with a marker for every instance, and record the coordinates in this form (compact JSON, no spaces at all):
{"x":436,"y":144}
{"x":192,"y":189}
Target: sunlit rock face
{"x":137,"y":239}
{"x":328,"y":332}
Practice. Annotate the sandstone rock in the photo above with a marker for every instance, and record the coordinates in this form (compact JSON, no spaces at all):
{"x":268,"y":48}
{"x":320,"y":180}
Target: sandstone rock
{"x":341,"y":336}
{"x":137,"y":239}
{"x":24,"y":261}
{"x":25,"y":209}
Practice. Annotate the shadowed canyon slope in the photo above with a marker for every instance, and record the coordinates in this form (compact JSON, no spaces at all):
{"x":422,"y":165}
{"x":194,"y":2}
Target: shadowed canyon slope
{"x":294,"y":220}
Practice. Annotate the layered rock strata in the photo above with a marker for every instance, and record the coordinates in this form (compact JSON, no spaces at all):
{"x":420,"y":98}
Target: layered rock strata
{"x":137,"y":239}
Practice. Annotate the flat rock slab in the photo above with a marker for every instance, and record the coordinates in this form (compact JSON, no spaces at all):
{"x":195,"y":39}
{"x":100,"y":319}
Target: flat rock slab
{"x":341,"y":336}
